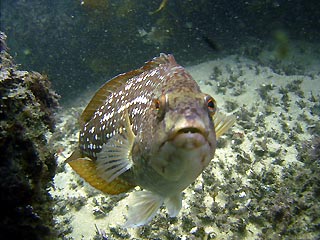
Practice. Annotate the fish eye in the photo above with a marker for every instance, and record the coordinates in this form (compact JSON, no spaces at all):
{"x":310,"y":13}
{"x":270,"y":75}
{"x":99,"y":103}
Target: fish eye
{"x":159,"y":105}
{"x":211,"y":104}
{"x":156,"y":103}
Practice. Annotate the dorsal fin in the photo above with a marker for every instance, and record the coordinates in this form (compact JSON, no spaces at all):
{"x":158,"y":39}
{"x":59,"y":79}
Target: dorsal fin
{"x":109,"y":87}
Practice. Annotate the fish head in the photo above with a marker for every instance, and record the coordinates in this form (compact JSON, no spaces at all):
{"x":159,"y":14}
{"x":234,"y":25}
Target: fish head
{"x":183,"y":135}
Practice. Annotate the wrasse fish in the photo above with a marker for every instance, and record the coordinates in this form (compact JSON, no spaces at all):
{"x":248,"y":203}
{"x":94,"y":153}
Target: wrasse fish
{"x":153,"y":128}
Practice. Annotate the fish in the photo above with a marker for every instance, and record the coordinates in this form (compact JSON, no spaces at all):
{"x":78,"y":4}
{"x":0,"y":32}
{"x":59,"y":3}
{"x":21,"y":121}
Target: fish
{"x":211,"y":42}
{"x":151,"y":127}
{"x":162,"y":5}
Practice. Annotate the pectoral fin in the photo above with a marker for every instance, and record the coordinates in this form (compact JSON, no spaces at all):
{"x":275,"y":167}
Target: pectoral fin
{"x":115,"y":157}
{"x":222,"y":123}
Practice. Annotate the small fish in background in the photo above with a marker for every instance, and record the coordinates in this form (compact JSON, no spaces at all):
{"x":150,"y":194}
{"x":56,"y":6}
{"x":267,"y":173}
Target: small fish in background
{"x":162,"y":5}
{"x":212,"y":43}
{"x":153,"y":128}
{"x":282,"y":44}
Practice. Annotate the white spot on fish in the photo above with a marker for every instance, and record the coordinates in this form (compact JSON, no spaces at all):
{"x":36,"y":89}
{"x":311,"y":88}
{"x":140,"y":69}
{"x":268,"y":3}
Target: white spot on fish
{"x":92,"y":130}
{"x":127,"y":87}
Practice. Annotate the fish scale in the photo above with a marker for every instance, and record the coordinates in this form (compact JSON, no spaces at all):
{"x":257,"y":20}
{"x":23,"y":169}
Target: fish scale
{"x":151,"y":127}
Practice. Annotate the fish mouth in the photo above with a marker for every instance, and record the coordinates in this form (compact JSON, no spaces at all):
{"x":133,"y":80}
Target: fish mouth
{"x":189,"y":130}
{"x":189,"y":138}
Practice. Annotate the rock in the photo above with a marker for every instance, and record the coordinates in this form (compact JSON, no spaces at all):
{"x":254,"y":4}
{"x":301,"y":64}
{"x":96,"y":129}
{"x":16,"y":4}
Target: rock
{"x":27,"y":164}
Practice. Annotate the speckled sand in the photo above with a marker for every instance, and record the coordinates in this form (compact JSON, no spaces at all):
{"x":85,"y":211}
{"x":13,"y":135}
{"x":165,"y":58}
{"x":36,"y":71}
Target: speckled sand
{"x":248,"y":76}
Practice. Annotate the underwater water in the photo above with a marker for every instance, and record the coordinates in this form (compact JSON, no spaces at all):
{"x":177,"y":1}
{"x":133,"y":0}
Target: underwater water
{"x":260,"y":60}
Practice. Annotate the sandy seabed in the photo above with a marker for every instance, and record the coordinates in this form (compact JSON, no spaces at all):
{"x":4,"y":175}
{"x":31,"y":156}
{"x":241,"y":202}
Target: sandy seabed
{"x":263,"y":182}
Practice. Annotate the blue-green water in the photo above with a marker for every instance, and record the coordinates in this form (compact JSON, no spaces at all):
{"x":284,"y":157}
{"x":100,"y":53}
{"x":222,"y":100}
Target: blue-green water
{"x":80,"y":44}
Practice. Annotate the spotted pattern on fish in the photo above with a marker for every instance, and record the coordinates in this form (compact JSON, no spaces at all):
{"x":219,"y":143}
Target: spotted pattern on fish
{"x":136,"y":96}
{"x":151,"y":127}
{"x":104,"y":124}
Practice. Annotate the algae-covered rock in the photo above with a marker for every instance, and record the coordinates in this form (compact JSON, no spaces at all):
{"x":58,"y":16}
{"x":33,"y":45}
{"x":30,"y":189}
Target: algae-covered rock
{"x":27,"y":164}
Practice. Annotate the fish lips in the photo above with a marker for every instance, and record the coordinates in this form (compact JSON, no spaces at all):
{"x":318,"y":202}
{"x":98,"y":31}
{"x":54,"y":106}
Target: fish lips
{"x":189,"y":138}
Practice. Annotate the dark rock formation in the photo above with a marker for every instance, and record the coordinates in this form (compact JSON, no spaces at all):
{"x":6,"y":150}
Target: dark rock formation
{"x":27,"y":164}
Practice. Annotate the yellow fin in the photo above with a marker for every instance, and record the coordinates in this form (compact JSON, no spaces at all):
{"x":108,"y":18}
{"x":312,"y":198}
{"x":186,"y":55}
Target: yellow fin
{"x":86,"y":168}
{"x":162,"y":5}
{"x":222,"y":123}
{"x":75,"y":155}
{"x":112,"y":85}
{"x":100,"y":96}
